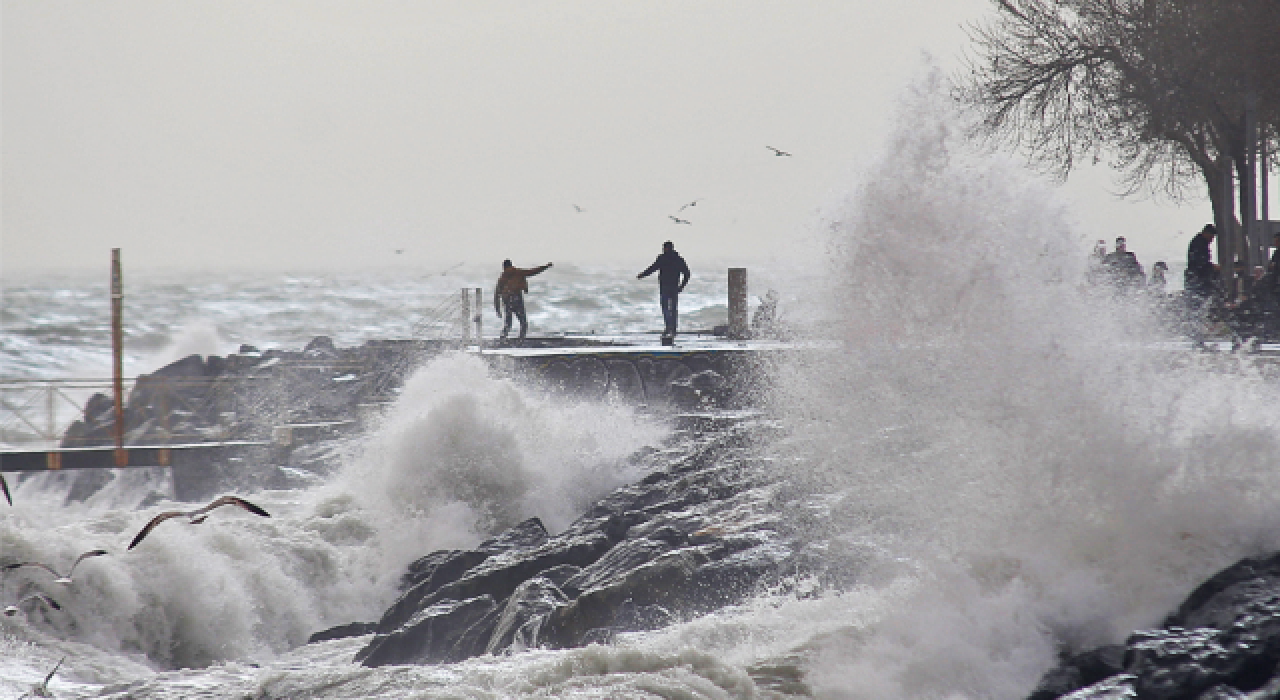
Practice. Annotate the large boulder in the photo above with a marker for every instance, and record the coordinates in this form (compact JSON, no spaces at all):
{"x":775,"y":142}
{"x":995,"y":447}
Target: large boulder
{"x":521,"y":620}
{"x":429,"y":636}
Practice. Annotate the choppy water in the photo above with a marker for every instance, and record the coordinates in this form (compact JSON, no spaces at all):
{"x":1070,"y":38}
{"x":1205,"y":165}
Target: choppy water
{"x":1001,"y":465}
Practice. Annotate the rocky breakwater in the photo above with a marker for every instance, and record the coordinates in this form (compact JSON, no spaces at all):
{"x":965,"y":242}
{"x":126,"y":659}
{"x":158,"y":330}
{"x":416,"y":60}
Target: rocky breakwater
{"x":1223,"y":642}
{"x":697,"y":533}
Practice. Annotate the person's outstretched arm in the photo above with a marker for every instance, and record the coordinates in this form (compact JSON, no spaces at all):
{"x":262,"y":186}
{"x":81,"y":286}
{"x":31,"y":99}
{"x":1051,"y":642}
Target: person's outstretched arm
{"x":537,"y":270}
{"x":649,"y":271}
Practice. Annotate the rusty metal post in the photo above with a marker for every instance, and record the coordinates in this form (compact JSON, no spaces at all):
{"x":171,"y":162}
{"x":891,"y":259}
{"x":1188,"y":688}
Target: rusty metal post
{"x":738,"y":303}
{"x":117,"y":353}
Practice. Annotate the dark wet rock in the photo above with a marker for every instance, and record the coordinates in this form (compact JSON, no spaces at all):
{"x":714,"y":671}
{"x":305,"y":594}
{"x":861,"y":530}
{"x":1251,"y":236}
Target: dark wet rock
{"x":320,"y":346}
{"x":661,"y":581}
{"x":353,"y":629}
{"x":1119,"y":687}
{"x":429,"y":636}
{"x":1223,"y":641}
{"x":475,"y":640}
{"x":529,"y":533}
{"x":561,"y":574}
{"x":1222,"y":692}
{"x":520,"y":623}
{"x":617,"y":563}
{"x":429,"y":574}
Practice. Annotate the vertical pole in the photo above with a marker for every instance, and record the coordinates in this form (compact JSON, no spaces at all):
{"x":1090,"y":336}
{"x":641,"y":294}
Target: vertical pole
{"x":1265,"y":194}
{"x":1227,"y":231}
{"x":53,"y":413}
{"x":466,"y":314}
{"x":738,"y":302}
{"x":1249,"y":184}
{"x":479,"y":317}
{"x":117,"y":353}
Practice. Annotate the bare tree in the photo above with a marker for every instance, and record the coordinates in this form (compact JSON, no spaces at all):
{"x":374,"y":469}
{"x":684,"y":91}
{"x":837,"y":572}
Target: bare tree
{"x":1160,"y":86}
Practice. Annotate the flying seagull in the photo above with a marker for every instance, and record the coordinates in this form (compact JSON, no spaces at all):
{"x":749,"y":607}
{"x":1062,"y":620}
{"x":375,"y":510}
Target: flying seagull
{"x":578,"y":209}
{"x":195,"y":517}
{"x":399,"y":251}
{"x":694,"y":203}
{"x":11,"y":610}
{"x":57,"y":577}
{"x":41,"y":690}
{"x":776,"y":152}
{"x":4,"y":485}
{"x":679,"y":221}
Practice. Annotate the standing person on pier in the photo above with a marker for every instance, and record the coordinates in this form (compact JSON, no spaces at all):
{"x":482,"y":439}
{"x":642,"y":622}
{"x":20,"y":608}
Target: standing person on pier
{"x":509,"y":292}
{"x":673,"y":275}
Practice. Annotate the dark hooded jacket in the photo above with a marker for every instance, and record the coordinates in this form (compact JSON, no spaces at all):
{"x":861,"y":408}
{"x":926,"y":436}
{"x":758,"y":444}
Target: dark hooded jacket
{"x":673,"y":272}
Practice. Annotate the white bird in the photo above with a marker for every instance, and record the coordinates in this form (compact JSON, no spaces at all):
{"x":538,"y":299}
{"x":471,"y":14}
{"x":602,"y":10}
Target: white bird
{"x":41,"y":690}
{"x":679,"y":221}
{"x":195,"y":517}
{"x":694,"y":203}
{"x":11,"y":610}
{"x":776,"y":152}
{"x":578,"y":209}
{"x":57,"y":577}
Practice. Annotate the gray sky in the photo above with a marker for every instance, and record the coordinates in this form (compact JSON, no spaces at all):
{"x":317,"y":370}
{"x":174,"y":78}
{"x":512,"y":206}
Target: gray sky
{"x":322,"y":134}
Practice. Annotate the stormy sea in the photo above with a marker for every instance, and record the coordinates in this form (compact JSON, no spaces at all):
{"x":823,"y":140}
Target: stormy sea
{"x":967,"y":466}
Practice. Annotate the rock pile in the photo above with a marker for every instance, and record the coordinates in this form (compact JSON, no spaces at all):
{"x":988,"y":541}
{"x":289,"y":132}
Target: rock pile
{"x":692,"y":536}
{"x":1222,"y":642}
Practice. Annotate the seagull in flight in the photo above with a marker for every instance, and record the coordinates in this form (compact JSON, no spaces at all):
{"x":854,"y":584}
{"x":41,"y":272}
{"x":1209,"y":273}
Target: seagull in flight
{"x":694,"y":203}
{"x":195,"y":517}
{"x":4,"y":485}
{"x":578,"y":209}
{"x":776,"y":152}
{"x":11,"y":610}
{"x":678,"y":220}
{"x":41,"y":690}
{"x":57,"y":577}
{"x":399,"y":251}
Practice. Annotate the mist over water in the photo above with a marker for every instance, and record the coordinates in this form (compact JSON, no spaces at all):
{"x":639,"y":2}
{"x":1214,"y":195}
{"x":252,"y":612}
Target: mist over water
{"x":1042,"y":472}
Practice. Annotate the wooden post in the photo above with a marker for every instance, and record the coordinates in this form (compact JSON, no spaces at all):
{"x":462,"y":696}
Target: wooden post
{"x":117,"y":354}
{"x":738,"y":327}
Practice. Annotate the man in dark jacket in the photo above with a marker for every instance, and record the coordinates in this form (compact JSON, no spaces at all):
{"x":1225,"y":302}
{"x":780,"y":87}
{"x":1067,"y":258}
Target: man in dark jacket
{"x":510,"y":289}
{"x":673,"y":275}
{"x":1199,"y":277}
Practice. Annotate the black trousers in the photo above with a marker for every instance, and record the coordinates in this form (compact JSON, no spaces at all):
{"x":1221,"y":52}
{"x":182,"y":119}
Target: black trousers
{"x":670,"y":300}
{"x":514,"y":304}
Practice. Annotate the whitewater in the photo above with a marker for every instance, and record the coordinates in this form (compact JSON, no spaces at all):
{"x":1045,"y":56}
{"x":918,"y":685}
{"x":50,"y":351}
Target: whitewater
{"x":997,"y":466}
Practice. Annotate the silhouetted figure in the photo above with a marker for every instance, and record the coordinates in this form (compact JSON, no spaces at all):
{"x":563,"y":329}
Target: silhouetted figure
{"x":1201,"y":272}
{"x":1158,"y":281}
{"x":673,"y":275}
{"x":508,"y":294}
{"x":1199,"y":281}
{"x":1123,"y":268}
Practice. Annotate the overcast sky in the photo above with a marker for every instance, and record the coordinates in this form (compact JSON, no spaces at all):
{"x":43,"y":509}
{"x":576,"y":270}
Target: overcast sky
{"x":323,"y":134}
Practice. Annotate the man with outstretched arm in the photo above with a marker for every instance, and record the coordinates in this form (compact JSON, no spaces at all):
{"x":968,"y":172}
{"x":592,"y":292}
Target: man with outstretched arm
{"x":509,"y":293}
{"x":673,"y":275}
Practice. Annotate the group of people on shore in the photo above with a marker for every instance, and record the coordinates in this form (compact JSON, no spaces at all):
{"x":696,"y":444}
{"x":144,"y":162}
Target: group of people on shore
{"x":673,"y":275}
{"x":1251,"y":308}
{"x":1121,"y":271}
